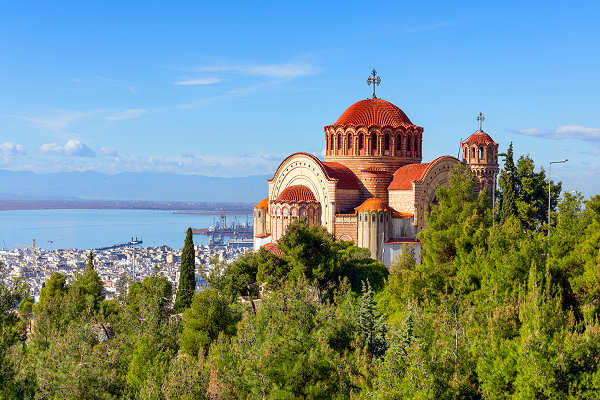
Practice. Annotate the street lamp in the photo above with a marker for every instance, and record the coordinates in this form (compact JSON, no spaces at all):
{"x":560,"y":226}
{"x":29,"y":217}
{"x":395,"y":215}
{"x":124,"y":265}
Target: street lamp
{"x":549,"y":174}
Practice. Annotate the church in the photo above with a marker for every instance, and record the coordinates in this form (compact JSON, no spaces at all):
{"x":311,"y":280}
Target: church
{"x":372,"y":187}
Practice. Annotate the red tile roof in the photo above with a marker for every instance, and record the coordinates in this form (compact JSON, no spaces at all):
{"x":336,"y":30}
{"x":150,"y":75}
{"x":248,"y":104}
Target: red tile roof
{"x":262,"y":235}
{"x":373,"y":112}
{"x":405,"y":175}
{"x":263,"y":204}
{"x":296,"y":194}
{"x":333,"y":170}
{"x":479,"y":137}
{"x":346,"y":178}
{"x":401,"y":215}
{"x":273,"y":249}
{"x":373,"y":204}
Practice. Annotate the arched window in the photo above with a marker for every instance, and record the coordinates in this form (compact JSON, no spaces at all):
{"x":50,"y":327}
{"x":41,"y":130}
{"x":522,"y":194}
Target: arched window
{"x":465,"y":156}
{"x":399,"y":143}
{"x":386,"y":142}
{"x":361,"y":141}
{"x":331,"y":143}
{"x":339,"y":141}
{"x":373,"y":218}
{"x":481,"y":153}
{"x":473,"y":153}
{"x":411,"y":144}
{"x":381,"y":217}
{"x":349,"y":141}
{"x":373,"y":141}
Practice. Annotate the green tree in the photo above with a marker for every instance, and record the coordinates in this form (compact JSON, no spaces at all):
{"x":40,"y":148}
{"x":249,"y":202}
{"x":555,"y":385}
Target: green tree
{"x":87,"y":290}
{"x":507,"y":183}
{"x":208,"y":316}
{"x":187,"y":274}
{"x":371,"y":327}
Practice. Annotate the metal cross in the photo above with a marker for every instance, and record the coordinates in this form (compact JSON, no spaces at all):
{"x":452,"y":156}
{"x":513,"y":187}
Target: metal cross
{"x":374,"y":80}
{"x":480,"y":118}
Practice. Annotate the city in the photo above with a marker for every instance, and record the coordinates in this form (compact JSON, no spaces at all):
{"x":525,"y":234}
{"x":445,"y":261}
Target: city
{"x":116,"y":267}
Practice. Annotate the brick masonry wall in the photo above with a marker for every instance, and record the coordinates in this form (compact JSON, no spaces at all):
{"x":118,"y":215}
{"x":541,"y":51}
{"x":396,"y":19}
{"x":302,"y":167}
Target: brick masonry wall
{"x":346,"y":227}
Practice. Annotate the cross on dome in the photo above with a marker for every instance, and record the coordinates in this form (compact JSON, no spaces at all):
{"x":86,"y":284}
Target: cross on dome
{"x":374,"y":80}
{"x":480,"y":119}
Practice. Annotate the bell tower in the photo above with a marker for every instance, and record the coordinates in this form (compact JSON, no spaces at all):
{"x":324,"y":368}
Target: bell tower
{"x":480,"y":153}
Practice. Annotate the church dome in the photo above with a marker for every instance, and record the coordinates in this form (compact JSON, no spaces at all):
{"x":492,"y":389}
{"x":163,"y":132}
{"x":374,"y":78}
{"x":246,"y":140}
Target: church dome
{"x":373,"y":204}
{"x":296,"y":194}
{"x":373,"y":112}
{"x":480,"y":137}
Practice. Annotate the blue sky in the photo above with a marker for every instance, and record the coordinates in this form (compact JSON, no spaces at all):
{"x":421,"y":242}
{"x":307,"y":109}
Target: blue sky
{"x":229,"y":89}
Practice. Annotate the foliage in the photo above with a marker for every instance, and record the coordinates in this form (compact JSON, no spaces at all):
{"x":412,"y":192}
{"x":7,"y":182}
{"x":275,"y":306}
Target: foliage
{"x":187,"y":274}
{"x":498,"y":308}
{"x":208,"y":316}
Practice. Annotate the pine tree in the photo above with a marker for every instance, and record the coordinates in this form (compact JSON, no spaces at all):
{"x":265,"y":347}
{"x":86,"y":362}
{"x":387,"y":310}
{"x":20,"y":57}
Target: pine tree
{"x":371,"y":327}
{"x":187,"y":275}
{"x":508,"y":185}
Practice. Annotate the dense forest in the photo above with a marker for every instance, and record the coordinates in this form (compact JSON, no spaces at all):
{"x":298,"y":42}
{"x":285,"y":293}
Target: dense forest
{"x":502,"y":306}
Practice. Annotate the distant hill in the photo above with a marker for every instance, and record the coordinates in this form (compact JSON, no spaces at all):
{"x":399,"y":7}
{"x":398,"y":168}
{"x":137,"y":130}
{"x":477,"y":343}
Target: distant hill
{"x":150,"y":186}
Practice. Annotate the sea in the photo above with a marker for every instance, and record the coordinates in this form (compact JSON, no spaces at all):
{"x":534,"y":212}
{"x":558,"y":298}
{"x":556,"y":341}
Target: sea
{"x":89,"y":229}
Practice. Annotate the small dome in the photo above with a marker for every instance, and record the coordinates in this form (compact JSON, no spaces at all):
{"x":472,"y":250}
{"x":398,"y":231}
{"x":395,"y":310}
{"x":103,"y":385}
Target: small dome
{"x":373,"y":204}
{"x":263,"y":204}
{"x":373,"y":112}
{"x":296,"y":194}
{"x":479,"y":137}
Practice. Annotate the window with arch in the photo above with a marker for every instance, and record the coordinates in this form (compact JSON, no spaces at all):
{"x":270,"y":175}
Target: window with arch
{"x":411,"y":143}
{"x":466,"y":153}
{"x":331,"y":143}
{"x":381,"y":217}
{"x":339,"y":146}
{"x":373,"y":141}
{"x":399,"y":143}
{"x":481,"y":153}
{"x":473,"y":152}
{"x":361,"y":141}
{"x":386,"y":142}
{"x":349,"y":141}
{"x":373,"y":217}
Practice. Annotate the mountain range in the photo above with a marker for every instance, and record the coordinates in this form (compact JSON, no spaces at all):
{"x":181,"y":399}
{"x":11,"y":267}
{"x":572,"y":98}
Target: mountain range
{"x":146,"y":186}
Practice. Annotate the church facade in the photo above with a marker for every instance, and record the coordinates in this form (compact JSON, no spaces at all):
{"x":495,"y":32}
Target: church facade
{"x":372,"y":187}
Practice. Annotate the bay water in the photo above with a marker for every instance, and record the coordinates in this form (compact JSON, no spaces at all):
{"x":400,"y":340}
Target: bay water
{"x":88,"y":229}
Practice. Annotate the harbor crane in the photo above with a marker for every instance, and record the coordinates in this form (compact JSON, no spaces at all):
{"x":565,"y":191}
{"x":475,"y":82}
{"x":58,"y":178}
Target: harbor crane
{"x":33,"y":247}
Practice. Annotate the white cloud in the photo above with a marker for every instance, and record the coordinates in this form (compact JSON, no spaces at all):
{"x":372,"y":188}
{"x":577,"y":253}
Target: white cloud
{"x":73,"y":147}
{"x":563,"y":132}
{"x":58,"y":121}
{"x":108,"y":151}
{"x":276,"y":71}
{"x":127,"y":114}
{"x":11,"y":149}
{"x":201,"y":81}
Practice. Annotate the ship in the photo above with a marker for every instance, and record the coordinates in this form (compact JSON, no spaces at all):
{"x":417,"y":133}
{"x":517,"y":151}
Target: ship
{"x":220,"y":227}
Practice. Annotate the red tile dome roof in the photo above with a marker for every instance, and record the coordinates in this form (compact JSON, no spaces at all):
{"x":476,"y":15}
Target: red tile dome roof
{"x":373,"y":204}
{"x":263,"y":204}
{"x":479,"y":137}
{"x":373,"y":112}
{"x":296,"y":194}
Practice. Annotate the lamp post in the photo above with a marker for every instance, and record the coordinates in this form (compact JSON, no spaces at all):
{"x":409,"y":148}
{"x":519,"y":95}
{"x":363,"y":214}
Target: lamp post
{"x":549,"y":181}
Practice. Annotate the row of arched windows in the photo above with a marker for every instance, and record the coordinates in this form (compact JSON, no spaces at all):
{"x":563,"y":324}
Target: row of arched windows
{"x":373,"y":144}
{"x":480,"y":154}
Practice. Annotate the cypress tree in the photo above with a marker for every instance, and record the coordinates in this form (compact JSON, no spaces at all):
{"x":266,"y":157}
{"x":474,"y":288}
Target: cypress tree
{"x":187,"y":275}
{"x":508,"y":185}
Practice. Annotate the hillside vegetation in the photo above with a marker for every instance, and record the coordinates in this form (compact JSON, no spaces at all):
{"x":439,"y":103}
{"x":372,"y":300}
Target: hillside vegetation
{"x":501,"y":307}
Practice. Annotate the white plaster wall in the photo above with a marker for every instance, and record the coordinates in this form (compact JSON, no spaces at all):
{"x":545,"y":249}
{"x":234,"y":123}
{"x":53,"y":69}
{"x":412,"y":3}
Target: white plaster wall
{"x":392,"y":251}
